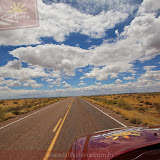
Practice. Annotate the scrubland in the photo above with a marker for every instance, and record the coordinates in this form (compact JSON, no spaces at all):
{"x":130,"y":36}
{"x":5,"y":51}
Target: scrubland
{"x":141,"y":108}
{"x":12,"y":108}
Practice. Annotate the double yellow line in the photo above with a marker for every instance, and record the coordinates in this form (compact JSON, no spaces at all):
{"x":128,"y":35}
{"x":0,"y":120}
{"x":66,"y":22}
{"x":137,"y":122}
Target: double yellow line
{"x":57,"y":133}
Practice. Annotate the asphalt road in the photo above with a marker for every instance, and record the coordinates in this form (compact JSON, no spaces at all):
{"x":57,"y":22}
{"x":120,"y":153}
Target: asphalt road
{"x":47,"y":133}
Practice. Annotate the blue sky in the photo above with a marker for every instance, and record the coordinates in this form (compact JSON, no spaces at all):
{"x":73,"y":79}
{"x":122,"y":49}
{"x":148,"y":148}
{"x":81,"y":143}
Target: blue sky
{"x":83,"y":48}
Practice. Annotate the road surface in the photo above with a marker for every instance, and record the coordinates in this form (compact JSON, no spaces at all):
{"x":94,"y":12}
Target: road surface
{"x":47,"y":133}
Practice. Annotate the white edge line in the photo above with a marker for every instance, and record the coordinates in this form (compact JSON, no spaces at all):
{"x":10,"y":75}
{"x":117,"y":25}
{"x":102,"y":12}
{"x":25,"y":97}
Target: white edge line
{"x":106,"y":114}
{"x":30,"y":114}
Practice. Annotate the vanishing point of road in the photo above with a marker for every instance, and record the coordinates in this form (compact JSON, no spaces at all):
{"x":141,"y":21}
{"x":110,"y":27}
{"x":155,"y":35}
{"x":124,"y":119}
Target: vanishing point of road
{"x":47,"y":133}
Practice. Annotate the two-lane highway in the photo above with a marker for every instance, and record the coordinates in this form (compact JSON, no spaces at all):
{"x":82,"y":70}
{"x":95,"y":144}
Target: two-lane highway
{"x":48,"y":133}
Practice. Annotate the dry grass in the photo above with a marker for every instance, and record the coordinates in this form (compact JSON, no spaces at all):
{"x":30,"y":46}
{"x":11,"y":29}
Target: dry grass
{"x":12,"y":108}
{"x":142,"y":108}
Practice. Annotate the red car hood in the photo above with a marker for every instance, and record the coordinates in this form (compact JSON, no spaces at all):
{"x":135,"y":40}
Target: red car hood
{"x":112,"y":143}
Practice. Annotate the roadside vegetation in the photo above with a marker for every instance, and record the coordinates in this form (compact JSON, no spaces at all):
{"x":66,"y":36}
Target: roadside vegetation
{"x":12,"y":108}
{"x":141,"y":108}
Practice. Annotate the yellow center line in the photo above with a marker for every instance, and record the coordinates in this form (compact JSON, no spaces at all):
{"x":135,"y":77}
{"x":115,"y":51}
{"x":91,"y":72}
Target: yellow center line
{"x":55,"y":137}
{"x":55,"y":128}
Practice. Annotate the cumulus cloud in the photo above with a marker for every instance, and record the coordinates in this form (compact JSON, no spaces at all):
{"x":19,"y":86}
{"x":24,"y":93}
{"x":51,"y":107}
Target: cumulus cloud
{"x":82,"y":83}
{"x":98,"y":83}
{"x":149,"y":67}
{"x":67,"y":59}
{"x":32,"y":83}
{"x":117,"y":33}
{"x":56,"y":82}
{"x":128,"y":78}
{"x":9,"y":82}
{"x":113,"y":75}
{"x":118,"y":81}
{"x":150,"y":75}
{"x":137,"y":86}
{"x":111,"y":69}
{"x":13,"y":70}
{"x":144,"y":29}
{"x":149,"y":6}
{"x":58,"y":20}
{"x":66,"y":85}
{"x":57,"y":57}
{"x":15,"y":64}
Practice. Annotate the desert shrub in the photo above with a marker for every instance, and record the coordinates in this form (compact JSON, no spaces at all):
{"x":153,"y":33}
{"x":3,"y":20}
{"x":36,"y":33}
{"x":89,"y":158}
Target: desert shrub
{"x":124,"y":105}
{"x":9,"y":115}
{"x":28,"y":106}
{"x":118,"y":112}
{"x":16,"y":112}
{"x":135,"y":120}
{"x":125,"y":117}
{"x":148,"y":103}
{"x":2,"y":114}
{"x":2,"y":102}
{"x":157,"y":106}
{"x":114,"y":102}
{"x":10,"y":109}
{"x":145,"y":123}
{"x":15,"y":102}
{"x":142,"y":109}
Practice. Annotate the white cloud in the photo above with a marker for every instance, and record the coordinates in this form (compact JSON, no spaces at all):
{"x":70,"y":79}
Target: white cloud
{"x":15,"y":64}
{"x":117,"y":33}
{"x":128,"y":78}
{"x":50,"y":86}
{"x":150,"y":75}
{"x":67,"y":85}
{"x":49,"y":79}
{"x":113,"y":75}
{"x":149,"y":67}
{"x":56,"y":82}
{"x":112,"y":69}
{"x":57,"y":57}
{"x":9,"y":82}
{"x":58,"y":20}
{"x":32,"y":83}
{"x":98,"y":83}
{"x":82,"y":77}
{"x":145,"y":30}
{"x":82,"y":84}
{"x":13,"y":70}
{"x":138,"y":86}
{"x":118,"y":81}
{"x":98,"y":74}
{"x":149,"y":6}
